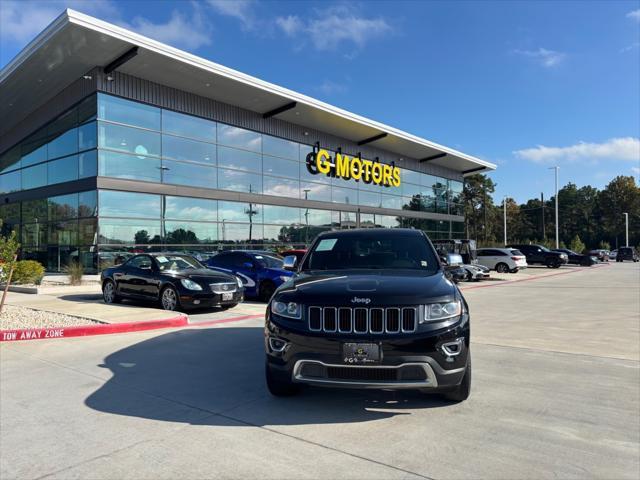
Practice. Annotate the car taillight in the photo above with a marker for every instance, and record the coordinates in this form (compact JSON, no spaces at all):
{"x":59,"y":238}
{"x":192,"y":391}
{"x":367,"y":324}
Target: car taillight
{"x":516,"y":258}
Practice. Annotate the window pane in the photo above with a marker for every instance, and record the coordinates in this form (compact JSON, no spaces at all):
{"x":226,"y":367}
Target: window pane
{"x":64,"y":233}
{"x":87,"y":230}
{"x":87,"y":109}
{"x":238,"y":212}
{"x":457,"y":227}
{"x":63,"y":207}
{"x":88,"y":164}
{"x":188,"y":126}
{"x":281,"y":187}
{"x":34,"y":177}
{"x":391,"y":201}
{"x":239,"y":159}
{"x":280,"y":147}
{"x":280,"y":215}
{"x":239,"y":181}
{"x":34,"y":234}
{"x":88,"y":203}
{"x":139,"y":232}
{"x":239,"y":137}
{"x":10,"y":182}
{"x":371,"y":199}
{"x":10,"y":159}
{"x":132,"y":140}
{"x":87,"y":136}
{"x":305,"y":176}
{"x":240,"y":233}
{"x":344,"y":195}
{"x":128,"y":112}
{"x":409,"y":190}
{"x":186,"y":208}
{"x":410,"y":176}
{"x":34,"y":149}
{"x":183,"y":149}
{"x":315,"y":191}
{"x":35,"y":210}
{"x":276,"y":233}
{"x":62,"y":170}
{"x":190,"y":232}
{"x":190,"y":174}
{"x":316,"y":217}
{"x":280,"y":167}
{"x":127,"y":204}
{"x":63,"y":144}
{"x":122,"y":165}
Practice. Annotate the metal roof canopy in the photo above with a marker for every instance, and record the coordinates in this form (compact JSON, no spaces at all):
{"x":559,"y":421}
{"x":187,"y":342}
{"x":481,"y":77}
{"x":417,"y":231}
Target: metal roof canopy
{"x":75,"y":43}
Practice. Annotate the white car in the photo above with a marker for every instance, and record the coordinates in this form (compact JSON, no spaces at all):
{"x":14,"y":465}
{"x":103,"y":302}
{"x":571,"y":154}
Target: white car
{"x":475,"y":272}
{"x":502,"y":260}
{"x":613,"y":254}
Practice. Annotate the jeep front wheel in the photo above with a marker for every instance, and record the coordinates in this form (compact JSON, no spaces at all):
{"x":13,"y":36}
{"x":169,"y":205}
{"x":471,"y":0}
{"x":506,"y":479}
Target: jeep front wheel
{"x":278,"y":385}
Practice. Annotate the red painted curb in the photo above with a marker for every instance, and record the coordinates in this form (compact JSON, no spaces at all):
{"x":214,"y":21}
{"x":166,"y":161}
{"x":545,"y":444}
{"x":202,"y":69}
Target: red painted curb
{"x":528,"y":279}
{"x":84,"y":331}
{"x":208,"y":323}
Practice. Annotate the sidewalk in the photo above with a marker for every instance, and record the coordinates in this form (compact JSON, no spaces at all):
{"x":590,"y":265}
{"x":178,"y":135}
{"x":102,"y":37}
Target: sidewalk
{"x":88,"y":305}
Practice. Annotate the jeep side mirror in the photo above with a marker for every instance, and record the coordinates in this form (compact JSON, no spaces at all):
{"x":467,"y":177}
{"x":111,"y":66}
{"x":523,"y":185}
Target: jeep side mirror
{"x":290,"y":262}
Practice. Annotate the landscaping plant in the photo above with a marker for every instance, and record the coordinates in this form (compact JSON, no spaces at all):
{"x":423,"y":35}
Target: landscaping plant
{"x":27,"y":272}
{"x":75,"y":271}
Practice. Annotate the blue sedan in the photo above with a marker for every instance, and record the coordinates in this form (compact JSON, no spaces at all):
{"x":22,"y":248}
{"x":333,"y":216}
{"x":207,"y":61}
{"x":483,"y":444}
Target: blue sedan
{"x":261,"y":272}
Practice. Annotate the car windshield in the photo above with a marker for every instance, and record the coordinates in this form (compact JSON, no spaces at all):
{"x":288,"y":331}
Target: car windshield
{"x":268,"y":261}
{"x":177,"y":263}
{"x":544,"y":249}
{"x":368,"y":250}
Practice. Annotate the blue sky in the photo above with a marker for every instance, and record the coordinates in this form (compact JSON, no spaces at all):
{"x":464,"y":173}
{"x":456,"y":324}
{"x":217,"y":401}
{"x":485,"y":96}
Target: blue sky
{"x":525,"y":85}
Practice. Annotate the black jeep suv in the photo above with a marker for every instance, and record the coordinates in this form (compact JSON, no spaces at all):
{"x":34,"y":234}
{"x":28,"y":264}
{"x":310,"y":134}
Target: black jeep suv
{"x":370,"y":308}
{"x":542,"y":255}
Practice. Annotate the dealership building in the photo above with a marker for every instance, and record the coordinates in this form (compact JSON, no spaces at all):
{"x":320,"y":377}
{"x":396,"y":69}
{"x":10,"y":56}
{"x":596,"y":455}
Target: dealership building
{"x":112,"y":143}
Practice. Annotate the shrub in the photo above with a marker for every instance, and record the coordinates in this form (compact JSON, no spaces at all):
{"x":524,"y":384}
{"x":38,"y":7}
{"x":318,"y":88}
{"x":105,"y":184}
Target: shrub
{"x":604,"y":245}
{"x":75,"y":271}
{"x":8,"y":248}
{"x":28,"y":271}
{"x":577,"y":245}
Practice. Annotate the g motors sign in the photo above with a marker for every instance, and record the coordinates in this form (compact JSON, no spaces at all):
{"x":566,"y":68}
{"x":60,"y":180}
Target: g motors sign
{"x":356,"y":168}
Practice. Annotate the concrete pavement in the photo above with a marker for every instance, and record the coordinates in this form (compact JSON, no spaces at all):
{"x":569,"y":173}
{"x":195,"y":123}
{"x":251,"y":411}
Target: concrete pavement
{"x":551,"y":398}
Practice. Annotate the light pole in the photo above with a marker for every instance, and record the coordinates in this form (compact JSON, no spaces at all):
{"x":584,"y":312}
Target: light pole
{"x":626,"y":228}
{"x":504,"y":203}
{"x":556,"y":168}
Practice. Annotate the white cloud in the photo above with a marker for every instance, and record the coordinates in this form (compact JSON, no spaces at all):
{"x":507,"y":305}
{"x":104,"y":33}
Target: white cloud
{"x":634,"y":15}
{"x":329,"y":87}
{"x":290,"y":25}
{"x":636,"y":170}
{"x":628,"y":48}
{"x":182,"y":30}
{"x":546,"y":58}
{"x":21,"y":21}
{"x":625,"y":148}
{"x":239,"y":9}
{"x":330,"y":28}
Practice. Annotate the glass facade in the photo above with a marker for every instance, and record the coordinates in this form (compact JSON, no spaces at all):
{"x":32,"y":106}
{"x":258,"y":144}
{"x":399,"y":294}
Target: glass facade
{"x":112,"y":137}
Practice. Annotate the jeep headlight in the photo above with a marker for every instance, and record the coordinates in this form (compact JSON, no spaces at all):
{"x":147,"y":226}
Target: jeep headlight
{"x":287,"y":309}
{"x":190,"y":284}
{"x":442,"y":311}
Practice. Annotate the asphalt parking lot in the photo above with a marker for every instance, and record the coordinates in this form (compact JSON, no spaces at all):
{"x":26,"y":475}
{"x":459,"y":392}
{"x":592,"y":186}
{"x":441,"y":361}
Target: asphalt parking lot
{"x":556,"y":393}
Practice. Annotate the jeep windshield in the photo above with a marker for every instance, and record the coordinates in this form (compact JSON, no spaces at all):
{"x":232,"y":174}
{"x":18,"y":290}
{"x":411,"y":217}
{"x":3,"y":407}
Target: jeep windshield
{"x":364,"y":250}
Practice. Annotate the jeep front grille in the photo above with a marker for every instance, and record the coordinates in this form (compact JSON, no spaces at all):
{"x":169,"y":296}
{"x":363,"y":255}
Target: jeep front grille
{"x":361,"y":320}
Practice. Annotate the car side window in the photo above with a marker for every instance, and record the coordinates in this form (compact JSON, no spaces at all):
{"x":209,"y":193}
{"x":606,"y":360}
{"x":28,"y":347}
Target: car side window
{"x":483,"y":253}
{"x":240,"y":259}
{"x":223,"y":258}
{"x":499,"y":253}
{"x":141,"y":261}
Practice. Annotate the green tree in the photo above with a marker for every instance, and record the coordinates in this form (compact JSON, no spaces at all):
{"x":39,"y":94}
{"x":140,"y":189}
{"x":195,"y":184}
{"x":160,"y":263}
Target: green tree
{"x":480,"y":213}
{"x":621,"y":195}
{"x":9,"y":247}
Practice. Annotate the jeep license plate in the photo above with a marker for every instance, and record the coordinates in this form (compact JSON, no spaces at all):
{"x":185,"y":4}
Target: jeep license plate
{"x":227,"y":296}
{"x":359,"y":353}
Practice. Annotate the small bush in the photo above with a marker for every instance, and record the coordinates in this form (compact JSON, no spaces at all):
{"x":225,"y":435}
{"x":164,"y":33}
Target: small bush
{"x":75,"y":271}
{"x":28,"y":271}
{"x":577,"y":245}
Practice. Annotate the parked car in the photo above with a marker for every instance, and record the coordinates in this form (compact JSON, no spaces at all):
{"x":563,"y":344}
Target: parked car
{"x":577,"y":258}
{"x":600,"y":254}
{"x":369,"y":308}
{"x":261,"y":272}
{"x":502,"y":260}
{"x":541,"y":255}
{"x":466,"y":248}
{"x":174,"y":281}
{"x":627,"y":253}
{"x":453,"y":265}
{"x":298,"y":253}
{"x":613,"y":254}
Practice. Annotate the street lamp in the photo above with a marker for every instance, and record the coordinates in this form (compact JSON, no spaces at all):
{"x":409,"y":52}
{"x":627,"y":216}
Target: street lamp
{"x":556,"y":168}
{"x":626,"y":228}
{"x":504,"y":204}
